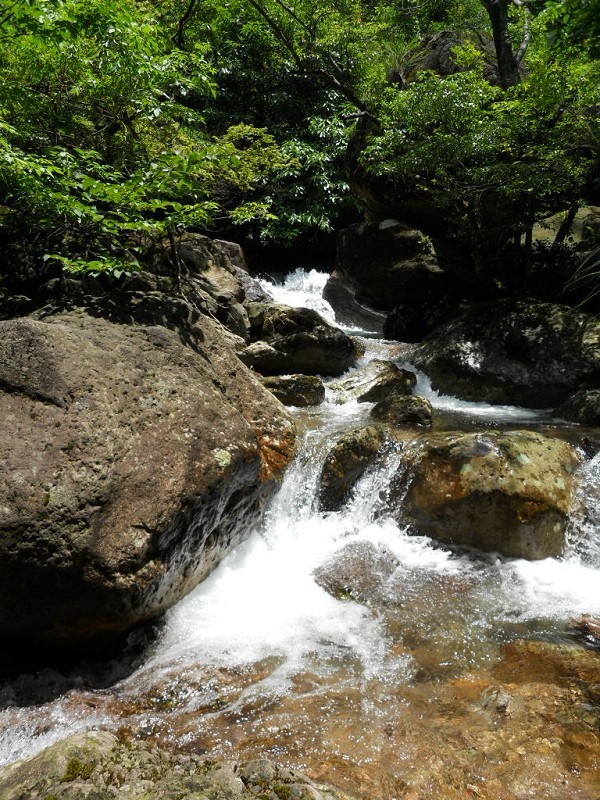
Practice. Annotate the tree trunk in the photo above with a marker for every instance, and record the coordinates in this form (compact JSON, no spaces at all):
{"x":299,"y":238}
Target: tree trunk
{"x":508,"y":65}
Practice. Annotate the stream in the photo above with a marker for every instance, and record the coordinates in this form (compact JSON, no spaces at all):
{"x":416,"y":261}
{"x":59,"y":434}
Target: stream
{"x":464,"y":681}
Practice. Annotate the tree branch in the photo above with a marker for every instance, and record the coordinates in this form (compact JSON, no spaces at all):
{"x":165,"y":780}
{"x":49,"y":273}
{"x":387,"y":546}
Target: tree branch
{"x":179,"y":37}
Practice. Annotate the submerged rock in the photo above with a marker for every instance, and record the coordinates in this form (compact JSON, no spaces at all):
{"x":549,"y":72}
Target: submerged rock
{"x":98,"y":765}
{"x":507,"y":492}
{"x":360,"y":571}
{"x":346,"y":462}
{"x":524,"y":352}
{"x":134,"y":458}
{"x":402,"y":411}
{"x":287,"y":340}
{"x":296,"y":390}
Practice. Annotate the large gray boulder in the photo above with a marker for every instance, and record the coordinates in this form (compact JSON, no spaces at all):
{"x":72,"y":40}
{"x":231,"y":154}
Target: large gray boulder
{"x":99,"y":765}
{"x":508,"y":492}
{"x":134,"y":457}
{"x":286,"y":340}
{"x":524,"y":352}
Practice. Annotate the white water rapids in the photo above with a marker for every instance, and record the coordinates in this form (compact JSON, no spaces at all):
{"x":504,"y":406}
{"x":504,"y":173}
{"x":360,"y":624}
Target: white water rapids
{"x":260,"y":659}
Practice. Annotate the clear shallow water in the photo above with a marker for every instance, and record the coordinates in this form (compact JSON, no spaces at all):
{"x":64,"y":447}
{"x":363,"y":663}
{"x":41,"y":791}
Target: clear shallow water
{"x":261,"y":660}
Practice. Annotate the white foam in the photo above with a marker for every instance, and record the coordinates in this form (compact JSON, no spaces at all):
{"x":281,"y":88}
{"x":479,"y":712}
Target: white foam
{"x":550,"y":589}
{"x":302,"y":289}
{"x":488,"y":411}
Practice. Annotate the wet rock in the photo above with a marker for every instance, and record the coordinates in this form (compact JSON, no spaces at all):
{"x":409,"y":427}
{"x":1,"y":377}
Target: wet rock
{"x":296,"y":390}
{"x":287,"y":340}
{"x":385,"y":263}
{"x":508,"y":492}
{"x":524,"y":352}
{"x":134,"y":457}
{"x":376,"y":380}
{"x":359,"y":571}
{"x":582,"y":407}
{"x":346,"y":463}
{"x":403,"y":411}
{"x":587,"y":629}
{"x":98,"y":765}
{"x":348,"y":309}
{"x":547,"y":662}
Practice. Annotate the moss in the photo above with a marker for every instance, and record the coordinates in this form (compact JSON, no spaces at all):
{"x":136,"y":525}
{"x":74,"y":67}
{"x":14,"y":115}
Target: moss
{"x":77,"y":769}
{"x":282,"y":791}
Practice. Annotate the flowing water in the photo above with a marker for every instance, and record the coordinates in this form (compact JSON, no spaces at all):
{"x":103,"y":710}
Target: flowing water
{"x":458,"y":680}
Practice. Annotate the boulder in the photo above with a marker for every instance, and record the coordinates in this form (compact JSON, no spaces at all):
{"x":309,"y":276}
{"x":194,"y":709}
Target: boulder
{"x":507,"y":492}
{"x":524,"y":352}
{"x":134,"y":457}
{"x":296,"y":390}
{"x":287,"y":340}
{"x":360,"y":571}
{"x":385,"y":263}
{"x":582,"y":407}
{"x":348,"y":310}
{"x":346,"y":462}
{"x":218,"y":265}
{"x":210,"y":273}
{"x":101,"y":766}
{"x":413,"y":321}
{"x":403,"y":411}
{"x":376,"y":380}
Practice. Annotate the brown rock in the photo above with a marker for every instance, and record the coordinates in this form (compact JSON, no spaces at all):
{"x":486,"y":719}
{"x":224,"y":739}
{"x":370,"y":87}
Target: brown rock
{"x":508,"y":492}
{"x":403,"y":411}
{"x":346,"y":463}
{"x":134,"y":458}
{"x":296,"y":390}
{"x":376,"y":380}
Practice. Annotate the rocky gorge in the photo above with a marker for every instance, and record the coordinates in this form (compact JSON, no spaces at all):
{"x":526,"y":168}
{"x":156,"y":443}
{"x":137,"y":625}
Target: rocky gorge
{"x":147,"y":443}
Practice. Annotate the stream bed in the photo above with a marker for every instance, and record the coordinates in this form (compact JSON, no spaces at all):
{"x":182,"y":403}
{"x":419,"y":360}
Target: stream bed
{"x":464,"y":679}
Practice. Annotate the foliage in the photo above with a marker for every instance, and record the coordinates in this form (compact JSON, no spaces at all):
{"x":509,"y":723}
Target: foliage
{"x":497,"y":161}
{"x":101,"y":149}
{"x":123,"y":121}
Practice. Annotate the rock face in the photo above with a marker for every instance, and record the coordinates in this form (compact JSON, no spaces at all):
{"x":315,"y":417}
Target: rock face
{"x":346,"y":463}
{"x":134,"y":457}
{"x":97,"y":765}
{"x":524,"y":352}
{"x":387,"y":262}
{"x":508,"y":492}
{"x":287,"y":340}
{"x":296,"y":390}
{"x":402,"y":411}
{"x":376,"y":380}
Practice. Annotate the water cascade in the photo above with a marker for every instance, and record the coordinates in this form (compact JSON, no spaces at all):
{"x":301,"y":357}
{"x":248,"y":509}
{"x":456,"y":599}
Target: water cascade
{"x":404,"y":691}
